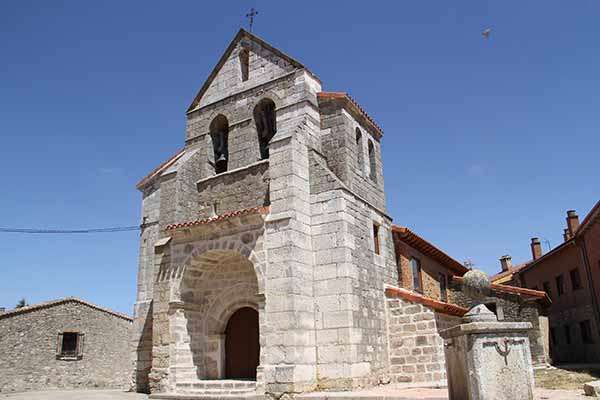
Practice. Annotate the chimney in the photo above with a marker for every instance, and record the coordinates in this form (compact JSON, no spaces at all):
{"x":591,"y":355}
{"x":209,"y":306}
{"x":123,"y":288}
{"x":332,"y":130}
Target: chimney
{"x":572,"y":222}
{"x":566,"y":234}
{"x":506,"y":262}
{"x":536,"y":248}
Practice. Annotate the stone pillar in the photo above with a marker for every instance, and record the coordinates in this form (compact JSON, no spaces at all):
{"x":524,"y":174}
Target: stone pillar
{"x":288,"y":352}
{"x":487,"y":359}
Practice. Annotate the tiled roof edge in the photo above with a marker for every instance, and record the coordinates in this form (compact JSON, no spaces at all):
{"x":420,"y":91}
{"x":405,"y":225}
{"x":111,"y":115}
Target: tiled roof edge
{"x":53,"y":303}
{"x":440,"y":306}
{"x":541,"y":295}
{"x":254,"y":210}
{"x":429,"y":249}
{"x":156,"y":171}
{"x":353,"y":105}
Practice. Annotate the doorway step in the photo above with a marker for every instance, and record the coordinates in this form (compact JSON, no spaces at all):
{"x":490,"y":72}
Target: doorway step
{"x":211,"y":390}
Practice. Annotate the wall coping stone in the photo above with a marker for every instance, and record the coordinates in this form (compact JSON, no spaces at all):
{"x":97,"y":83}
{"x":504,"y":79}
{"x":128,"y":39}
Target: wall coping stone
{"x":485,"y":327}
{"x":231,"y":172}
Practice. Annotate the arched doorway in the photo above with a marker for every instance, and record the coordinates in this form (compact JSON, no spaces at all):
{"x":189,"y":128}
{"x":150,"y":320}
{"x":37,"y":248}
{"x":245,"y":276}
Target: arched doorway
{"x":242,"y":347}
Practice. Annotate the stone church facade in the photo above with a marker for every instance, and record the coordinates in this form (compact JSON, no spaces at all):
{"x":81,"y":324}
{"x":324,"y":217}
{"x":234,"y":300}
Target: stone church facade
{"x":267,"y":261}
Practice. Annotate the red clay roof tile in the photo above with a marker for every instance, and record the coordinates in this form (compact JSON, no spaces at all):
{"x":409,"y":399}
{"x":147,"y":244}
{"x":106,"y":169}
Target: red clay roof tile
{"x":440,"y":306}
{"x":352,"y":104}
{"x":412,"y":239}
{"x":254,"y":210}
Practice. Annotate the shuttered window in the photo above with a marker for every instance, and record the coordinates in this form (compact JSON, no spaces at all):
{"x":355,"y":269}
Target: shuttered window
{"x":69,"y":345}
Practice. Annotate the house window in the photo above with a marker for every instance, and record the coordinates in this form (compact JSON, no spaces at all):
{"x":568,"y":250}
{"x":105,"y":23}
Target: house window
{"x":575,"y":279}
{"x":245,"y":64}
{"x":415,"y":266}
{"x":372,"y":163}
{"x":376,"y":246}
{"x":567,"y":334}
{"x":546,"y":286}
{"x":266,"y":125}
{"x":359,"y":152}
{"x":219,"y":133}
{"x":586,"y":331}
{"x":443,"y":287}
{"x":69,"y":345}
{"x":560,"y":285}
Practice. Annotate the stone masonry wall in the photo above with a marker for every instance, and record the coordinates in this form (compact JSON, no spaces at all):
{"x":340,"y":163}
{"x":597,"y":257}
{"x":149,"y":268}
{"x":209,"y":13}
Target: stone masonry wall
{"x":342,"y":154}
{"x":28,"y":360}
{"x":431,"y":271}
{"x":509,"y":308}
{"x":349,"y":281}
{"x":264,"y":66}
{"x":416,"y":349}
{"x":234,"y":190}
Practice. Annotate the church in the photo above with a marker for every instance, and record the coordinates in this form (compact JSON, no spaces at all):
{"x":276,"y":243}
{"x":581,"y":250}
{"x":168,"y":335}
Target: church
{"x":269,"y":265}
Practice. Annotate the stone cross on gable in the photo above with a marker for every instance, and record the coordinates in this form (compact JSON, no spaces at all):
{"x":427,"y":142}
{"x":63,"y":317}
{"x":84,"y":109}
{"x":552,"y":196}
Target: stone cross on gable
{"x":251,"y":16}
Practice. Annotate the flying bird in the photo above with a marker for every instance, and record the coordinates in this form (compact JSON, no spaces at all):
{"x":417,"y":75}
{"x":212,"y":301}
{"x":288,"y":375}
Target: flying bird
{"x":486,"y":33}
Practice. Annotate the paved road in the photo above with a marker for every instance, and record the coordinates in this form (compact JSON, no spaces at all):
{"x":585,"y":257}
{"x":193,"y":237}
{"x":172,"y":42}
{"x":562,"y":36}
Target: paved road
{"x":75,"y":395}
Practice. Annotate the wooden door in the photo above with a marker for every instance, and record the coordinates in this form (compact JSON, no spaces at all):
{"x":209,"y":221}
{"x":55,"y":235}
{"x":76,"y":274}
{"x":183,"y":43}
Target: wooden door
{"x":242,"y":347}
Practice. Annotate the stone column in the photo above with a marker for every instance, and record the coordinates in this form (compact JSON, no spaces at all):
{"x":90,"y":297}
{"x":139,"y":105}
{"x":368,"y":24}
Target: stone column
{"x":487,"y":359}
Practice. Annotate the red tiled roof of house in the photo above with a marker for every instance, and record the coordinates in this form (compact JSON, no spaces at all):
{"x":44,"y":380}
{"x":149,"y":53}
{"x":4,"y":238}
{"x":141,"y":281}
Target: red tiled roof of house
{"x":158,"y":170}
{"x":352,"y":106}
{"x":591,"y":217}
{"x":510,"y":271}
{"x":53,"y":303}
{"x":538,"y":294}
{"x":440,"y":306}
{"x":254,"y":210}
{"x":412,"y":239}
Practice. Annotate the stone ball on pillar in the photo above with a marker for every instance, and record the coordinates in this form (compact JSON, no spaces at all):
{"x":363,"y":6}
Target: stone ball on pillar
{"x":476,"y":285}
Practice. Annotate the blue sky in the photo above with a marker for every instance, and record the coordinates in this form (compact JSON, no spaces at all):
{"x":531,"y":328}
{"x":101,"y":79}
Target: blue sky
{"x":487,"y":143}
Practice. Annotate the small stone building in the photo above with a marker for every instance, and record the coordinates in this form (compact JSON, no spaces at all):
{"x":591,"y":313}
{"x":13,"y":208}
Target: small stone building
{"x":66,"y":343}
{"x":267,"y":260}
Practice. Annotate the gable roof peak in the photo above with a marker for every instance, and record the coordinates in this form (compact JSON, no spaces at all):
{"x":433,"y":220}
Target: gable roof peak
{"x":241,"y":35}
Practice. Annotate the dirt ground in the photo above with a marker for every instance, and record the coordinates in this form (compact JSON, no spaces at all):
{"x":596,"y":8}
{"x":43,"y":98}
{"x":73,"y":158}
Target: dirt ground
{"x":566,"y":377}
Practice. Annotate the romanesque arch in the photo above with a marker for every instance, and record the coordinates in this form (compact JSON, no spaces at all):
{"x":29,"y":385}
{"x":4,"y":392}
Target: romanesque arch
{"x":218,"y":278}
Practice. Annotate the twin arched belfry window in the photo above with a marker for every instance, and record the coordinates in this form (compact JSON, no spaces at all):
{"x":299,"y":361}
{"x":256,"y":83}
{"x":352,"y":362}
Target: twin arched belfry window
{"x":266,"y":126}
{"x":219,"y":133}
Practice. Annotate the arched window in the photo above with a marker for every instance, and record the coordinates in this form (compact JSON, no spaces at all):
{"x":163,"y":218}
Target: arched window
{"x":359,"y":151}
{"x":219,"y":133}
{"x":372,"y":163}
{"x":266,"y":125}
{"x":245,"y":64}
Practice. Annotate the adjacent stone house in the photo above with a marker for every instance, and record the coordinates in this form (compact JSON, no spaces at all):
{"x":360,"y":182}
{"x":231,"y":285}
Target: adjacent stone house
{"x":268,"y":262}
{"x":67,"y":343}
{"x":431,"y":274}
